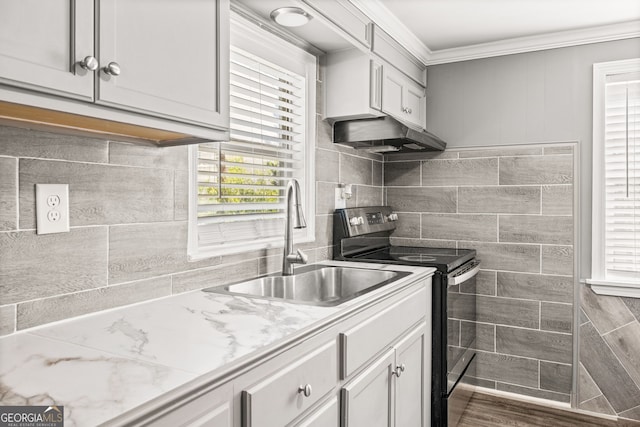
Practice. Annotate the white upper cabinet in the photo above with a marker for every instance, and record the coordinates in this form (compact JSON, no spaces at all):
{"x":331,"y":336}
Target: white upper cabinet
{"x":394,"y":53}
{"x":353,"y":85}
{"x":359,"y":85}
{"x":157,"y":59}
{"x":42,"y":44}
{"x":382,"y":79}
{"x":402,"y":98}
{"x":164,"y":56}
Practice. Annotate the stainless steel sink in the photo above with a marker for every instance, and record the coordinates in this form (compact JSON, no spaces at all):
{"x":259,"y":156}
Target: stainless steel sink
{"x":314,"y":285}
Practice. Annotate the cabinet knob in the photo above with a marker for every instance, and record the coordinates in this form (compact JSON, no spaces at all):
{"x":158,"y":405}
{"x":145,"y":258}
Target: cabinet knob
{"x":305,"y":390}
{"x":112,"y":68}
{"x":399,"y":370}
{"x":89,"y":63}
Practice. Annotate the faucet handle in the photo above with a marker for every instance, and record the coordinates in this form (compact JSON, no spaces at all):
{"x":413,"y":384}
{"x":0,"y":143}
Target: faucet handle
{"x":302,"y":257}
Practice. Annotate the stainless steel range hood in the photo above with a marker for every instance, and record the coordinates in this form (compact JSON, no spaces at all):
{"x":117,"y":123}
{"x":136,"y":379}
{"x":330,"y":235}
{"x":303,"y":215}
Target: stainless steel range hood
{"x":383,"y":135}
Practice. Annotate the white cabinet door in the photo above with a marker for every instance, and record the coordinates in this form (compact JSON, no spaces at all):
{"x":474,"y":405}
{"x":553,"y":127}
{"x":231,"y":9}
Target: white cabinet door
{"x":415,"y":103}
{"x":368,"y":399}
{"x":394,"y":390}
{"x":170,"y":58}
{"x":403,"y":98}
{"x":325,"y":416}
{"x":42,"y":44}
{"x":411,"y":393}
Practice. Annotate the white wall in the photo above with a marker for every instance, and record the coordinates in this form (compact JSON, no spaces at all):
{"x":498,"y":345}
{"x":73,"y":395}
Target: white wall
{"x":532,"y":97}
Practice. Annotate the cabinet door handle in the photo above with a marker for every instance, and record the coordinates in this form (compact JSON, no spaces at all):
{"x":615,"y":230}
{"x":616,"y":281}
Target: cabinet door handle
{"x":399,"y":370}
{"x":112,"y":68}
{"x":305,"y":390}
{"x":89,"y":63}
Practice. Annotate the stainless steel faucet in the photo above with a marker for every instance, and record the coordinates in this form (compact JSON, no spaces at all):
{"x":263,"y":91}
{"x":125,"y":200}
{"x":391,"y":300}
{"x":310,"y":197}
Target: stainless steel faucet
{"x":294,"y":203}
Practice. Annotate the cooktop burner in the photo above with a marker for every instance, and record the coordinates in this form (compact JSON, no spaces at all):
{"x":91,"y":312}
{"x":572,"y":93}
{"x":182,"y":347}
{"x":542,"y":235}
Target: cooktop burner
{"x":417,"y":258}
{"x":444,"y":259}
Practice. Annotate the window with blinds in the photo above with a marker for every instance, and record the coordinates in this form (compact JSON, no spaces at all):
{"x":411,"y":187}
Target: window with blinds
{"x":615,"y":213}
{"x":241,"y":182}
{"x":622,"y":175}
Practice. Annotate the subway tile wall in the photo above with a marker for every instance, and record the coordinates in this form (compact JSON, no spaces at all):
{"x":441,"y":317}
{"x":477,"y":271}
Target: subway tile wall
{"x":128,"y":215}
{"x":513,"y":205}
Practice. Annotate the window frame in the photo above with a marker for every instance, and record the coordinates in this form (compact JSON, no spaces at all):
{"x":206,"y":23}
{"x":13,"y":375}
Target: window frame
{"x":599,"y":281}
{"x":250,"y":38}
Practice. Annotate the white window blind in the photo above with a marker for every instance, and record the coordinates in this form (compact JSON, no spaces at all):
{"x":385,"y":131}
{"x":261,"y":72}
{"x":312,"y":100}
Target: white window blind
{"x":622,"y":176}
{"x":615,"y":219}
{"x":241,"y":182}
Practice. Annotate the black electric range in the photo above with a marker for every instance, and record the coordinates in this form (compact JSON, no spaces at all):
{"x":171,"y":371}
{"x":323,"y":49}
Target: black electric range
{"x":363,"y":235}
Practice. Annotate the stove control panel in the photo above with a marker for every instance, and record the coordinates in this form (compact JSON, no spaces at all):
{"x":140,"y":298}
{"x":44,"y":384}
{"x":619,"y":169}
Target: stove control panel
{"x":375,"y":218}
{"x":365,"y":220}
{"x":356,"y":220}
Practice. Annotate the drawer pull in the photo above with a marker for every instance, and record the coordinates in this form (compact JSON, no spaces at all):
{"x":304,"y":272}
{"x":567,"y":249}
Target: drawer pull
{"x":305,"y":390}
{"x":399,"y":370}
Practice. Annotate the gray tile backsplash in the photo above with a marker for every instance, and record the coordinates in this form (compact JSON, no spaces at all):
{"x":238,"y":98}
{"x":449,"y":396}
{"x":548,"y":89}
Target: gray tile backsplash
{"x":8,"y":197}
{"x":100,"y":194}
{"x":33,"y":266}
{"x":514,"y":206}
{"x":128,"y":217}
{"x":37,"y":312}
{"x":532,"y":170}
{"x":498,"y":200}
{"x":460,"y":172}
{"x":422,"y":199}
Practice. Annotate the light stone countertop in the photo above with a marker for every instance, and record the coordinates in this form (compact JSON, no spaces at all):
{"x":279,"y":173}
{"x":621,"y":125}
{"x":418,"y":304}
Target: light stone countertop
{"x":102,"y":365}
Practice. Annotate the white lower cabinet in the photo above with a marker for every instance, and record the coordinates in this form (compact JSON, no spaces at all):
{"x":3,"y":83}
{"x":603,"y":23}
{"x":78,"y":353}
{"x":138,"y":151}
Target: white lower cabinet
{"x":368,"y":400}
{"x":370,"y":368}
{"x":283,"y":396}
{"x":411,"y":399}
{"x":325,"y":416}
{"x":211,"y":409}
{"x":391,"y":390}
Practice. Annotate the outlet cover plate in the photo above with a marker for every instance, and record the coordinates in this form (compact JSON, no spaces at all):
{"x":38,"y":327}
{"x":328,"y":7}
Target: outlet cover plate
{"x":52,"y":208}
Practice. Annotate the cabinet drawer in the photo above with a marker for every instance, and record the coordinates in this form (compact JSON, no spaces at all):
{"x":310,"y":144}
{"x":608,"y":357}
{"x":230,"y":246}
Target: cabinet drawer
{"x":276,"y":400}
{"x":392,"y":52}
{"x":212,"y":409}
{"x":364,"y":341}
{"x":325,"y":416}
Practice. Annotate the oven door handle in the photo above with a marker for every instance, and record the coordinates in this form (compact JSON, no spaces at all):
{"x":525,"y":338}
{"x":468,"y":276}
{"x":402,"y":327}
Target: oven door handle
{"x":468,"y":272}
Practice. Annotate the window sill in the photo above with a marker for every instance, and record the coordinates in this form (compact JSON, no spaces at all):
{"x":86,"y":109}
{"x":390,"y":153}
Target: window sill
{"x":618,"y":289}
{"x":204,"y":253}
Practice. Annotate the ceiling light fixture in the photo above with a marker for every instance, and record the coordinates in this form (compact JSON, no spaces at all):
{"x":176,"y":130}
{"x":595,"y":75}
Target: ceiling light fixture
{"x":290,"y":16}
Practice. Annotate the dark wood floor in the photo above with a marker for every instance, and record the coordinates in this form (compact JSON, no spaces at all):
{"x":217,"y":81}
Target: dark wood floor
{"x":486,"y":410}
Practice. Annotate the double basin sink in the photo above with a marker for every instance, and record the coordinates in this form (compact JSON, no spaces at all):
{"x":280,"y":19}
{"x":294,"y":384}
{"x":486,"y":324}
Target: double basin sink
{"x":314,"y":285}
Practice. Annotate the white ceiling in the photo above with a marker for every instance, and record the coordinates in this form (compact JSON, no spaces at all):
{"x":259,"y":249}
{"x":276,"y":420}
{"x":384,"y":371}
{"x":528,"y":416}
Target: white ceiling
{"x":440,"y":31}
{"x":446,"y":24}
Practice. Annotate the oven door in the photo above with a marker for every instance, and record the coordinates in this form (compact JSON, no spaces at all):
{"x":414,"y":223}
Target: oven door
{"x":461,"y":336}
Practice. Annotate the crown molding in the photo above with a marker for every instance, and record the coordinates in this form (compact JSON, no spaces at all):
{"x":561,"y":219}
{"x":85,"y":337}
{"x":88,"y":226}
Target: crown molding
{"x":383,"y":18}
{"x":599,"y":34}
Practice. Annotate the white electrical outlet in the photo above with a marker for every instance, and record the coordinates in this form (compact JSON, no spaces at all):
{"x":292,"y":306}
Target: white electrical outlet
{"x":52,"y":208}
